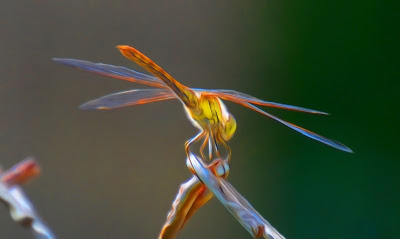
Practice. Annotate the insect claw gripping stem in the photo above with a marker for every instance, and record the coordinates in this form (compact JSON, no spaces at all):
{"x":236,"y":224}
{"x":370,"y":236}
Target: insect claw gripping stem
{"x":209,"y":147}
{"x":223,"y":142}
{"x":191,"y":141}
{"x":203,"y":146}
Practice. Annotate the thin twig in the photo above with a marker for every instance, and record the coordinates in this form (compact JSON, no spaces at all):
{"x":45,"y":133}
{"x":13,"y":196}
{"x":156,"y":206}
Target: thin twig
{"x":12,"y":195}
{"x":233,"y":201}
{"x":209,"y":180}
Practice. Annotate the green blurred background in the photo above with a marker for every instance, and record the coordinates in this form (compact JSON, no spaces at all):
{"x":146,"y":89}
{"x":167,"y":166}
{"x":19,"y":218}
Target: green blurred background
{"x":114,"y":174}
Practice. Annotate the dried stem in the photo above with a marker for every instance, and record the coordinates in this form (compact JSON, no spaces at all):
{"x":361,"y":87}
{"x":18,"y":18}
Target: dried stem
{"x":21,"y":209}
{"x":208,"y":181}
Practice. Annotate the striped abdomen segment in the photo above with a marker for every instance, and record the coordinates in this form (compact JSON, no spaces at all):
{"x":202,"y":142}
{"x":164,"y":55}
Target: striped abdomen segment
{"x":184,"y":93}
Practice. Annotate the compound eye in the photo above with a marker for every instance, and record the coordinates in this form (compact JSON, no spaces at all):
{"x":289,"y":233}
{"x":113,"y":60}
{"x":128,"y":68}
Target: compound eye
{"x":229,"y":128}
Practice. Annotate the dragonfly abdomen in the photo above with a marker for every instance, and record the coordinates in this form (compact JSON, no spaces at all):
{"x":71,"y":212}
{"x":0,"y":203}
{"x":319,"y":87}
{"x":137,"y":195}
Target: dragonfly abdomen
{"x":184,"y":93}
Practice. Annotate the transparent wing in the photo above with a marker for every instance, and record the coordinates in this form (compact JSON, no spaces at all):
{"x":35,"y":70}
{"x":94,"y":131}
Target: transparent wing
{"x":302,"y":131}
{"x":118,"y":72}
{"x":128,"y":98}
{"x":233,"y":95}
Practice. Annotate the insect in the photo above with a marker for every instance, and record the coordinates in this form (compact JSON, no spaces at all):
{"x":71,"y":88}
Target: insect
{"x":204,"y":108}
{"x":217,"y":125}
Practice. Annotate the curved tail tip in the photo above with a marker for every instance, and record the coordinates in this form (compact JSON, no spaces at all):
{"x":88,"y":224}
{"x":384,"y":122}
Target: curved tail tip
{"x":123,"y":47}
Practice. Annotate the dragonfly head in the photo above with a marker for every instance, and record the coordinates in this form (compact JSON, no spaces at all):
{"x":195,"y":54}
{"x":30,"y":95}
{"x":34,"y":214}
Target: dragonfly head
{"x":228,"y":128}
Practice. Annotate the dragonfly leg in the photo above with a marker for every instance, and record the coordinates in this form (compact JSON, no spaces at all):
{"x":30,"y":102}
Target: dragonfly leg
{"x":223,"y":142}
{"x":216,"y":146}
{"x":192,"y":140}
{"x":218,"y":139}
{"x":206,"y":139}
{"x":210,"y":147}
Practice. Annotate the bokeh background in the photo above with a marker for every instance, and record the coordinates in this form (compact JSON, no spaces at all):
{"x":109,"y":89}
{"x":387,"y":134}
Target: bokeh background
{"x":114,"y":174}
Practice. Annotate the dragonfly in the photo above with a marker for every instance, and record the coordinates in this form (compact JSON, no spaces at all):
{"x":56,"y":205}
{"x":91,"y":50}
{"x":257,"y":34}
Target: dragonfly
{"x":206,"y":110}
{"x":203,"y":107}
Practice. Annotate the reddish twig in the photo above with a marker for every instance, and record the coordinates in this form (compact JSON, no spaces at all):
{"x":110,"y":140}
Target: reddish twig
{"x":21,"y":209}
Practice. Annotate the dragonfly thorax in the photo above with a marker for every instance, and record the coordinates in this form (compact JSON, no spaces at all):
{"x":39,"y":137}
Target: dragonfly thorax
{"x":211,"y":114}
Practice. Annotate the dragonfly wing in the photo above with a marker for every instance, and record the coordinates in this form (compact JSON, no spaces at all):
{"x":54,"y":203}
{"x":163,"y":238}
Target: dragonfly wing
{"x":118,"y":72}
{"x":299,"y":129}
{"x":128,"y":98}
{"x":233,"y":95}
{"x":234,"y":202}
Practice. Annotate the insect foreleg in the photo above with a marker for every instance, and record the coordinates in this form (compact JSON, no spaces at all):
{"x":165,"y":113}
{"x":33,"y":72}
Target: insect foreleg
{"x":192,"y":140}
{"x":228,"y":149}
{"x":210,"y":147}
{"x":206,"y":139}
{"x":216,"y":146}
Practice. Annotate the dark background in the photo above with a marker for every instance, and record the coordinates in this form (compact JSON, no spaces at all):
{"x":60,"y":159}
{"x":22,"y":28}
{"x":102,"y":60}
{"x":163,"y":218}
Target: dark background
{"x":114,"y":174}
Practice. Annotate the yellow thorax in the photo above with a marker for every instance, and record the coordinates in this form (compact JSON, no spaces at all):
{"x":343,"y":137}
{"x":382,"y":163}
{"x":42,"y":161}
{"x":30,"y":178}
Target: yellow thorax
{"x":211,"y":114}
